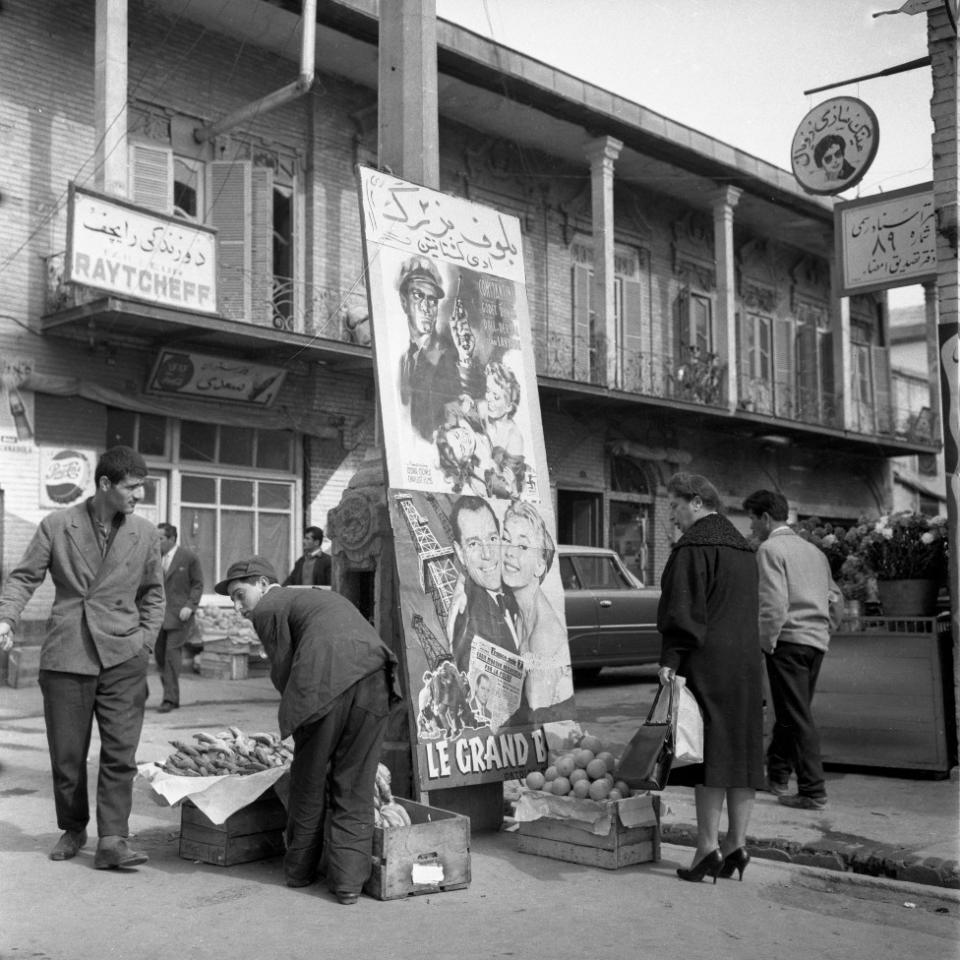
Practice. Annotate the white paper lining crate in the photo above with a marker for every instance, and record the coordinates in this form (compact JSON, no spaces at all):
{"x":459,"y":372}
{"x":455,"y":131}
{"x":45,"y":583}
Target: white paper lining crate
{"x":429,"y":856}
{"x":254,"y":832}
{"x":576,"y":841}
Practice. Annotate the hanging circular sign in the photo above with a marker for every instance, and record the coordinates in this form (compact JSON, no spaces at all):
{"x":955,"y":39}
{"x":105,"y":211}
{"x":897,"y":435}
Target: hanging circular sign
{"x":834,"y":145}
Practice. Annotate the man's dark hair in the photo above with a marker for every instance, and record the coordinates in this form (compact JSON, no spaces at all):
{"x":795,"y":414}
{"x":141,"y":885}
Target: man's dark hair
{"x":315,"y":532}
{"x":470,"y":505}
{"x":823,"y":145}
{"x":690,"y":485}
{"x":118,"y":463}
{"x":169,"y":530}
{"x":769,"y":502}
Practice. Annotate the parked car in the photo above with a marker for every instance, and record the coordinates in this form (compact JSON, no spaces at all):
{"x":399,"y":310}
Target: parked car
{"x":611,"y":616}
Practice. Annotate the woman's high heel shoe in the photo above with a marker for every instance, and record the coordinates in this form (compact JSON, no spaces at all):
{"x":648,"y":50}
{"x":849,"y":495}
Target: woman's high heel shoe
{"x":710,"y":864}
{"x":736,"y":860}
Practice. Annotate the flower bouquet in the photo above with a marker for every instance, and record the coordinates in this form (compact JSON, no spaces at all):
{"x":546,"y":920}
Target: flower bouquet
{"x":906,"y":546}
{"x":841,"y":549}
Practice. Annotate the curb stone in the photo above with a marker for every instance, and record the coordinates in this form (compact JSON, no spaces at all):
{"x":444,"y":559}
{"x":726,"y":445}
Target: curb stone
{"x":889,"y":862}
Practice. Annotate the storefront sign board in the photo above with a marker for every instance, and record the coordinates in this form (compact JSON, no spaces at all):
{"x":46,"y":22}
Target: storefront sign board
{"x":486,"y":651}
{"x":181,"y":373}
{"x":126,"y":250}
{"x":887,"y":240}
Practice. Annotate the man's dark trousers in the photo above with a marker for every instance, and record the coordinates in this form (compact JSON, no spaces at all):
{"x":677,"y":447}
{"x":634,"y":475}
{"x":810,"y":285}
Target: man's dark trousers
{"x":169,"y":656}
{"x":348,"y":738}
{"x":793,"y":669}
{"x":116,"y":697}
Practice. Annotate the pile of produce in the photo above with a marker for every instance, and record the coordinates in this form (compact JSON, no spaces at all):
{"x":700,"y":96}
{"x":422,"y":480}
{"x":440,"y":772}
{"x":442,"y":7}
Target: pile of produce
{"x":230,"y":751}
{"x":587,"y":772}
{"x":386,"y":811}
{"x":224,"y":622}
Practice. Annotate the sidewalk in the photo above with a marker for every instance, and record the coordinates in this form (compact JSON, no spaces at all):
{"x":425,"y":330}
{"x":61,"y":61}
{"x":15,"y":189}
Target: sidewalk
{"x":902,"y":829}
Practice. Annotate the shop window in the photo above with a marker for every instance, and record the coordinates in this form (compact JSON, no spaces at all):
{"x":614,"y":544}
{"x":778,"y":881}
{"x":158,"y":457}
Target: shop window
{"x":274,"y":450}
{"x":236,"y":446}
{"x":198,"y":441}
{"x":145,"y":432}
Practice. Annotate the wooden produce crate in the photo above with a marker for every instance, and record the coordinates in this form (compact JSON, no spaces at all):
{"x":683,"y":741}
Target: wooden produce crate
{"x":225,"y":664}
{"x":429,"y":856}
{"x":253,"y":833}
{"x":574,"y":841}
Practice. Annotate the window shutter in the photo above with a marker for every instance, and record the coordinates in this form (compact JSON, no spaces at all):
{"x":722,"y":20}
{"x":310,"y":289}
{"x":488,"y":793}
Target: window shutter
{"x":151,"y":176}
{"x":744,"y":373}
{"x":681,"y":325}
{"x":783,"y":381}
{"x":808,"y":379}
{"x":261,"y":245}
{"x":632,"y":358}
{"x":581,"y":323}
{"x":832,"y":412}
{"x":882,"y":390}
{"x":229,"y":206}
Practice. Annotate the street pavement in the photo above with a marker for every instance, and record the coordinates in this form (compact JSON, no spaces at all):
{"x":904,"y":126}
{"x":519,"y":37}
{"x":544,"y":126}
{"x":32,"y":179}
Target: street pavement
{"x":515,"y":905}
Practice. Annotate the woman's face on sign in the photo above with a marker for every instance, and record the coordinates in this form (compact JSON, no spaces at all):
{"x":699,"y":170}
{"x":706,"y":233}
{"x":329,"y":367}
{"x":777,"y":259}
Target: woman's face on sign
{"x":522,"y":553}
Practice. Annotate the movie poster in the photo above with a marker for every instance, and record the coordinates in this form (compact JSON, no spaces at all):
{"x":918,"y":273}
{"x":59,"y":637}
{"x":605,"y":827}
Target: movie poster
{"x":470,"y":505}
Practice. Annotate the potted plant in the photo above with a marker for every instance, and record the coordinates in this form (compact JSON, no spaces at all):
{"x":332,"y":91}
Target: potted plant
{"x":906,"y":552}
{"x":846,"y":566}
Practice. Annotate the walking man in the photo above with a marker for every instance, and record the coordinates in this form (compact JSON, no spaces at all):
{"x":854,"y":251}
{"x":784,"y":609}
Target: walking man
{"x":313,"y":568}
{"x":797,"y":600}
{"x":107,"y":610}
{"x":335,"y":677}
{"x":183,"y":585}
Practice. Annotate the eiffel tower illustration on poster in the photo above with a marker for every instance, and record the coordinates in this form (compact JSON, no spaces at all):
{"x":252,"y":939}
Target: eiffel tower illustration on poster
{"x":438,"y":572}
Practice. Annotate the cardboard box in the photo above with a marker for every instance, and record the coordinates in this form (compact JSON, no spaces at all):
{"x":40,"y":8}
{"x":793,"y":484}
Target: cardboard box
{"x":429,"y":856}
{"x":254,"y":832}
{"x":625,"y":832}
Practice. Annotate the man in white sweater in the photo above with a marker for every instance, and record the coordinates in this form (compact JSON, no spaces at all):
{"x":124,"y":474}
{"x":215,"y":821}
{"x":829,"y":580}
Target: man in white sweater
{"x":798,"y":599}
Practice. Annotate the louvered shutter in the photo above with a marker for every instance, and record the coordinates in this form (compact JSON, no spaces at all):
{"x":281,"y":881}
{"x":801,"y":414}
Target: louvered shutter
{"x":261,"y":245}
{"x":631,"y":359}
{"x":229,"y":210}
{"x":783,"y":379}
{"x":151,"y":176}
{"x":831,"y":405}
{"x":581,"y":323}
{"x":744,"y":373}
{"x":882,"y":389}
{"x":808,"y":379}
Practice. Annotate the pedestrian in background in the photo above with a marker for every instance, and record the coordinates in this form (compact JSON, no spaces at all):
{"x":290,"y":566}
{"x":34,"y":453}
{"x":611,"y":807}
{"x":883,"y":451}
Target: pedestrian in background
{"x":313,"y":568}
{"x":107,"y":611}
{"x":335,"y":676}
{"x":707,"y":618}
{"x":797,"y":599}
{"x":183,"y":585}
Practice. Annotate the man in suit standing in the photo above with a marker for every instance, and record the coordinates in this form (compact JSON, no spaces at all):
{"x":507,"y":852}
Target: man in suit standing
{"x":183,"y":585}
{"x":107,"y":610}
{"x":313,"y":568}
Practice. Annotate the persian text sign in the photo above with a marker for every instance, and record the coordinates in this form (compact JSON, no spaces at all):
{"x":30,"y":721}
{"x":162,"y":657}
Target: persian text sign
{"x":416,"y":220}
{"x":215,"y":378}
{"x":123,"y":249}
{"x":888,"y":240}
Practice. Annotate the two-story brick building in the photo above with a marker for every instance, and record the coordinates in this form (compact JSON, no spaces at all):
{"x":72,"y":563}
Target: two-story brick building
{"x":710,"y":339}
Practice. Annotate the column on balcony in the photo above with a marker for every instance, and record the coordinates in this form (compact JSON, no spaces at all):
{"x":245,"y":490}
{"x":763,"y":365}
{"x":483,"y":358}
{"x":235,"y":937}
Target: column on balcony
{"x":110,"y":97}
{"x":601,"y":152}
{"x":931,"y":316}
{"x":842,"y":352}
{"x":724,"y":203}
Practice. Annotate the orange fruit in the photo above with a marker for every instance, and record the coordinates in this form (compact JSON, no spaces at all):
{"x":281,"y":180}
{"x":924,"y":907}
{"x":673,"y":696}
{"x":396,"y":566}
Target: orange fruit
{"x":550,"y":774}
{"x":591,"y":743}
{"x":596,"y":769}
{"x":582,"y":757}
{"x":560,"y":786}
{"x":581,"y":789}
{"x":622,"y":787}
{"x":607,"y":757}
{"x":565,"y":765}
{"x":535,"y":780}
{"x":599,"y":790}
{"x":578,"y":775}
{"x":614,"y":794}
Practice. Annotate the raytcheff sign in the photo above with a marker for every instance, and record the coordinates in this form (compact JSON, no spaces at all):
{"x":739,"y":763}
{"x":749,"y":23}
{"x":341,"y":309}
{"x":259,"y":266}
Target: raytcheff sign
{"x":119,"y":248}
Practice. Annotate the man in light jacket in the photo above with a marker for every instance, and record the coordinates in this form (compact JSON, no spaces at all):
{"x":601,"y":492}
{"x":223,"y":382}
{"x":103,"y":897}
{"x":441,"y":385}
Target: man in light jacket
{"x":798,"y":603}
{"x":107,"y":611}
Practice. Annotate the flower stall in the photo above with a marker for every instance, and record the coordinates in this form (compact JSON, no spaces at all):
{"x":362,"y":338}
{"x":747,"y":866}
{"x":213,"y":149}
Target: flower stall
{"x":885,"y":692}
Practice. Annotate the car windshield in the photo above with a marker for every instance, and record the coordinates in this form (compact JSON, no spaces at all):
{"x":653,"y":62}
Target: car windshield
{"x":604,"y":573}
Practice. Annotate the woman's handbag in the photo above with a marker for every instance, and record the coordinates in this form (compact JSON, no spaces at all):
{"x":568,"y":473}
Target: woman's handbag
{"x":688,"y":733}
{"x":646,"y":761}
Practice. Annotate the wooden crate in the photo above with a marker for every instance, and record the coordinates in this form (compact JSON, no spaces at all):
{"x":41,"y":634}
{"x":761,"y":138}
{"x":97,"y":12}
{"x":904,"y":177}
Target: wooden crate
{"x":253,"y":833}
{"x":429,"y":856}
{"x":225,"y":666}
{"x":565,"y":840}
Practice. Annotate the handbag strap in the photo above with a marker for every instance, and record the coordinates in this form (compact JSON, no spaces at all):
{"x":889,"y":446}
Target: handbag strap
{"x":663,"y":708}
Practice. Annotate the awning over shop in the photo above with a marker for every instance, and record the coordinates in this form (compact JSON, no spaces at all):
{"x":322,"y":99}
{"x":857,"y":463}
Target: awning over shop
{"x":281,"y":418}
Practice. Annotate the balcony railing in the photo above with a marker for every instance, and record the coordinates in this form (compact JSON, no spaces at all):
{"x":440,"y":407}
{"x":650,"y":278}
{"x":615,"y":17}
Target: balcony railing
{"x":278,"y":303}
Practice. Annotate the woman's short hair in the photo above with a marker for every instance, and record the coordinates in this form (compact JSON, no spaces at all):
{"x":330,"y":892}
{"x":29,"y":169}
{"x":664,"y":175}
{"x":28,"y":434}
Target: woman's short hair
{"x":456,"y":470}
{"x":505,"y":378}
{"x":690,"y":485}
{"x":524,"y":510}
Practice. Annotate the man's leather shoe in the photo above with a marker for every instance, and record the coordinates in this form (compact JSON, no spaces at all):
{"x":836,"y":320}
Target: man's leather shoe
{"x":347,"y":898}
{"x":115,"y":852}
{"x":69,"y":845}
{"x":800,"y":801}
{"x":166,"y":707}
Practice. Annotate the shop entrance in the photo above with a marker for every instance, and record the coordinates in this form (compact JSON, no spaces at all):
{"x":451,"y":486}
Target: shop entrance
{"x":579,"y":518}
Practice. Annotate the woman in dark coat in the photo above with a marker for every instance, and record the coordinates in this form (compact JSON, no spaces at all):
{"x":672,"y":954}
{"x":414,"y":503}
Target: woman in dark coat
{"x":708,"y":620}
